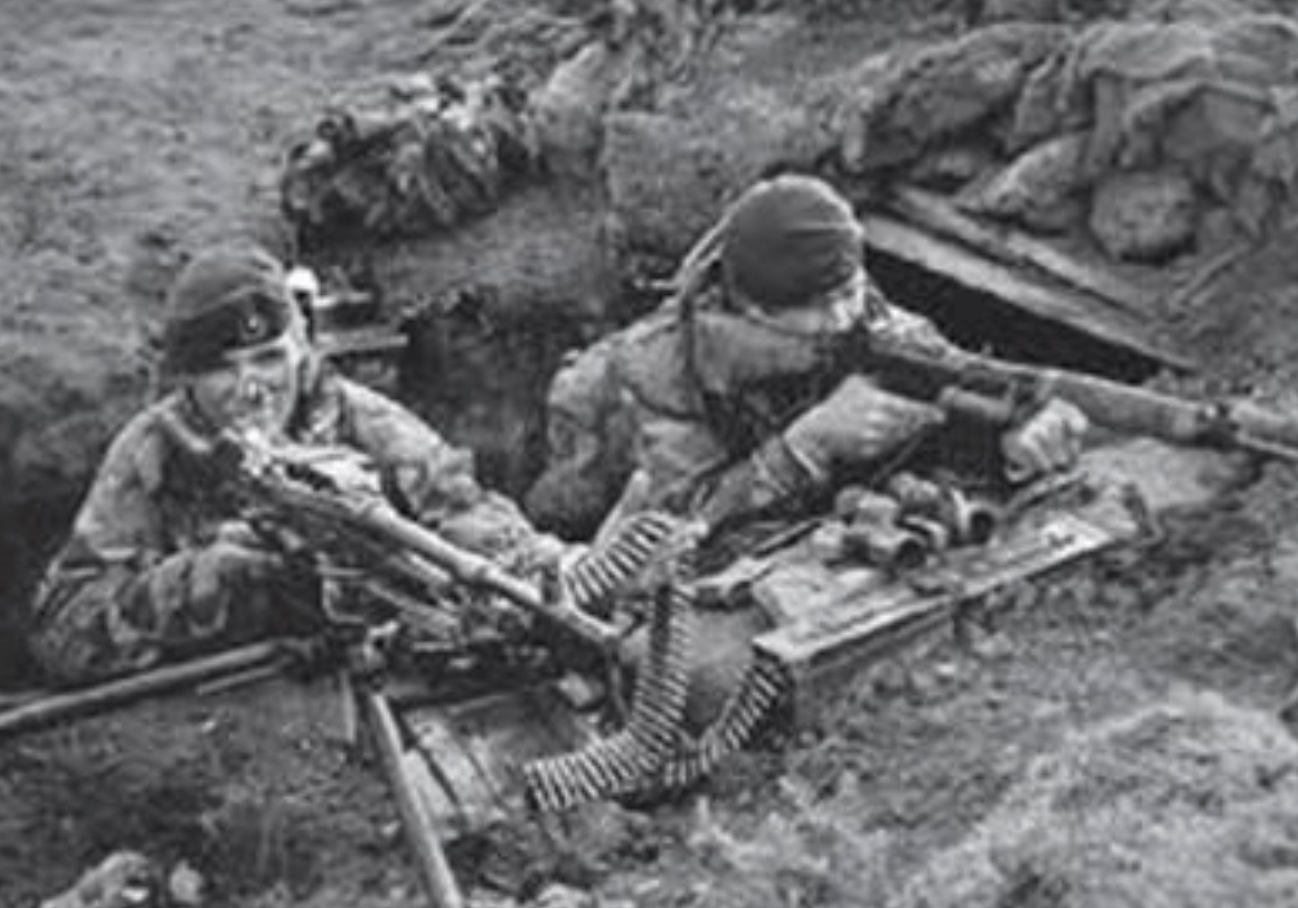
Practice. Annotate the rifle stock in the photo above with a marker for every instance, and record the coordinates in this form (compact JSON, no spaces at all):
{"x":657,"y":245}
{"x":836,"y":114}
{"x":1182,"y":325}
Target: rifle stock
{"x":1116,"y":405}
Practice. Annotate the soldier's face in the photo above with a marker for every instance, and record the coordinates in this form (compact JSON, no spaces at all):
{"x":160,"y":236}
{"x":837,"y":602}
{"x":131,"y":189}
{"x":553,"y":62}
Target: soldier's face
{"x":834,"y":313}
{"x":255,"y":388}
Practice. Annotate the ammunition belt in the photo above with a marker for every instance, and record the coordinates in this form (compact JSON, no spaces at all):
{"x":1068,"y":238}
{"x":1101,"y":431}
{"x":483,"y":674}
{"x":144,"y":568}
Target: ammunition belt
{"x":598,"y":576}
{"x":752,"y":703}
{"x":653,"y":751}
{"x":621,"y":763}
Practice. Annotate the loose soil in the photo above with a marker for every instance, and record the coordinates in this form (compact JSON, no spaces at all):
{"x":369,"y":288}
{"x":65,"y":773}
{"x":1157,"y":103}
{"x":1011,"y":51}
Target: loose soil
{"x":1114,"y":740}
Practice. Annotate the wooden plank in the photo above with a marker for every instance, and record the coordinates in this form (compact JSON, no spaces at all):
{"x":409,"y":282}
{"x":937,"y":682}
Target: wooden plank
{"x":374,"y":340}
{"x":1014,"y":247}
{"x":1060,"y":304}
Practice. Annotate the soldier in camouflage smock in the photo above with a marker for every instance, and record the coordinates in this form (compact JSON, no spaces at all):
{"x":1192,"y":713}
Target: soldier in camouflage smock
{"x":748,"y":393}
{"x":157,"y":567}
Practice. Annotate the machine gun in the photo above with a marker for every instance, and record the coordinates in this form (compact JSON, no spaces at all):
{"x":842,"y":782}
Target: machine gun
{"x":327,"y":502}
{"x":996,"y":391}
{"x":327,"y":512}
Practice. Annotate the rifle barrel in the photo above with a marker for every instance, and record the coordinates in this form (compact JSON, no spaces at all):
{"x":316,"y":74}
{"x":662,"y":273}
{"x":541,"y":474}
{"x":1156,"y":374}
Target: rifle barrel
{"x":1117,"y":405}
{"x":71,"y":704}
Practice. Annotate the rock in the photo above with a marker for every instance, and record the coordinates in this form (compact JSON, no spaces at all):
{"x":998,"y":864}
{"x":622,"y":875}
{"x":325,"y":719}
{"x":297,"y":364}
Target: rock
{"x":1144,"y":215}
{"x":1038,"y":188}
{"x":125,"y":879}
{"x":186,"y":886}
{"x":947,"y":90}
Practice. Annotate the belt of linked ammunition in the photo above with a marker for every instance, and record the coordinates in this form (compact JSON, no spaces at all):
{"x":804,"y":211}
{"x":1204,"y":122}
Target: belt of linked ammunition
{"x":596,"y":578}
{"x":622,"y":763}
{"x":653,"y":751}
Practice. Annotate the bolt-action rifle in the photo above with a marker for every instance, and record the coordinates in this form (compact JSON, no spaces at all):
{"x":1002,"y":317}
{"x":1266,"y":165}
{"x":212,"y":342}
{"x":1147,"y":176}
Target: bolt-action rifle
{"x":996,"y":391}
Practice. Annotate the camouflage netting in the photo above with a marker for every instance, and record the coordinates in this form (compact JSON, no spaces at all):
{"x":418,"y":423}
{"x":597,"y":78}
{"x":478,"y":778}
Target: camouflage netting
{"x":1139,"y":130}
{"x":406,"y":158}
{"x":1187,"y":803}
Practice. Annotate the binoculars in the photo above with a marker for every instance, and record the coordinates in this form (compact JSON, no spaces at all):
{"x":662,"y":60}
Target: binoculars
{"x":899,"y":527}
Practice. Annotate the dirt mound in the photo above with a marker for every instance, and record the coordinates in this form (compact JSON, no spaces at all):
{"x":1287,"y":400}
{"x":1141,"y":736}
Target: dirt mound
{"x":1184,"y":803}
{"x":252,"y":787}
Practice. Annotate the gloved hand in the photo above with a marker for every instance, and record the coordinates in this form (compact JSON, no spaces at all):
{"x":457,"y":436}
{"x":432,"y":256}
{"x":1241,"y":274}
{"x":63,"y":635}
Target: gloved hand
{"x":1049,"y":441}
{"x":238,"y":585}
{"x":859,"y":422}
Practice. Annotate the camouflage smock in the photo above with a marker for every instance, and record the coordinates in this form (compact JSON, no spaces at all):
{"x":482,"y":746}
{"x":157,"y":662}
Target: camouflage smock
{"x":692,"y":404}
{"x":120,"y":596}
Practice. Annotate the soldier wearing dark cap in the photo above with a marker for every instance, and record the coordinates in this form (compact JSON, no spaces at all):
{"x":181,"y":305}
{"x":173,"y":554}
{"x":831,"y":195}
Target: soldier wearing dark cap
{"x":741,"y":396}
{"x":157,"y":567}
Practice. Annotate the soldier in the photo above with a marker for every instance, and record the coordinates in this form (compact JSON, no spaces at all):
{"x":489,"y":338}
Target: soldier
{"x":157,"y":567}
{"x":744,"y":394}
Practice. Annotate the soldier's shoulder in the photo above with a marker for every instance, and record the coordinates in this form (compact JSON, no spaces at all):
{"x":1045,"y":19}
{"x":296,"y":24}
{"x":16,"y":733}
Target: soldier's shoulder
{"x":384,"y":427}
{"x":143,"y":446}
{"x":650,"y":352}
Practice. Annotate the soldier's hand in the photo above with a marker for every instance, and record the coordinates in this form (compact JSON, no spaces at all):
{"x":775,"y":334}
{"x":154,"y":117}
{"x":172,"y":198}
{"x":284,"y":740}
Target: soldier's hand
{"x":229,"y":562}
{"x":859,"y":422}
{"x":1049,"y":441}
{"x":227,"y":578}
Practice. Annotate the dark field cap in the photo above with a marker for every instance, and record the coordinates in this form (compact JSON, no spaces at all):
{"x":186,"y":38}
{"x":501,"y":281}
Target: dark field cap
{"x":224,"y":300}
{"x":789,"y":241}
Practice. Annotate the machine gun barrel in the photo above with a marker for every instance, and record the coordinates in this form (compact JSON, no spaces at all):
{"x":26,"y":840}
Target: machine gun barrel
{"x":477,"y":570}
{"x":309,"y":504}
{"x":1116,"y":405}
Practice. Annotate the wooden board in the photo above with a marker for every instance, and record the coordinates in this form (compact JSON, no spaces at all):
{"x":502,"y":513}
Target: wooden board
{"x":830,"y":645}
{"x":978,"y":272}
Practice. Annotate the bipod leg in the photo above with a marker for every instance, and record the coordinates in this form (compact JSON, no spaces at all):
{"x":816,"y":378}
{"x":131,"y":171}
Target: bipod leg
{"x":408,"y":777}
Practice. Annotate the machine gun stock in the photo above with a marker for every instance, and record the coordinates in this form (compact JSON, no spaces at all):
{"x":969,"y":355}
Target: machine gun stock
{"x":1115,"y":405}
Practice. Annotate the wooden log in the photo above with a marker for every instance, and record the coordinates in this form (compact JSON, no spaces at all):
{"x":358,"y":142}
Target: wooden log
{"x":1060,"y":304}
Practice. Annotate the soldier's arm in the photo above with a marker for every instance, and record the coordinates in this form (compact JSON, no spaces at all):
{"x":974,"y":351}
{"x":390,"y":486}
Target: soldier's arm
{"x":692,"y":470}
{"x":118,"y":597}
{"x":434,"y":483}
{"x":685,"y":465}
